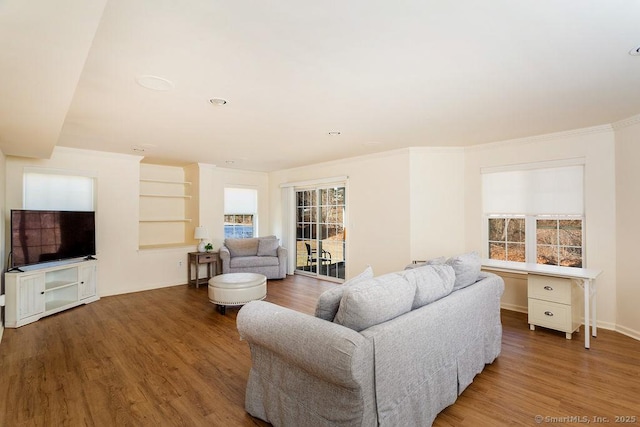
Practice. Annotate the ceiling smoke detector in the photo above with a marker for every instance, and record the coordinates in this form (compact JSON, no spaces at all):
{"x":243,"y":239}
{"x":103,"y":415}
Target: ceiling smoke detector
{"x":218,"y":101}
{"x":334,"y":132}
{"x":635,"y":51}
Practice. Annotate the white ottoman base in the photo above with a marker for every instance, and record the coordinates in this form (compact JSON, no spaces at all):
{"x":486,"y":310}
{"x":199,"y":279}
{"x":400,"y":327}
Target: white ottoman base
{"x":236,"y":289}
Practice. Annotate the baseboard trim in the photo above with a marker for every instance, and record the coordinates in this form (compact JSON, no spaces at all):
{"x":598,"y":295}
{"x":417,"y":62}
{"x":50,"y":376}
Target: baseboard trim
{"x":628,"y":332}
{"x":601,"y":325}
{"x":513,"y":307}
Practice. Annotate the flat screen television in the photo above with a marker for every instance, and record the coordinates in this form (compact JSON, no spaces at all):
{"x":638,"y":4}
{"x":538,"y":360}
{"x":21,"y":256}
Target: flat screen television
{"x":46,"y":236}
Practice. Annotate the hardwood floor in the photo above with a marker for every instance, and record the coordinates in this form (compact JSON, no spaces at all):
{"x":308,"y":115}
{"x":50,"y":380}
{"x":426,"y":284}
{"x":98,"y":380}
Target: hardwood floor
{"x":166,"y":357}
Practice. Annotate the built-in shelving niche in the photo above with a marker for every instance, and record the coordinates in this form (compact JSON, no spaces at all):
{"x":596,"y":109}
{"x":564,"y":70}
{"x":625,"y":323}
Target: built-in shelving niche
{"x":166,"y":207}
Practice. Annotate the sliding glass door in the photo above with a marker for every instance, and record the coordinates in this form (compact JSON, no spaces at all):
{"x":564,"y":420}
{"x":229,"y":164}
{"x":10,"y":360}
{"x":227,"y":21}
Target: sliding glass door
{"x":320,"y":231}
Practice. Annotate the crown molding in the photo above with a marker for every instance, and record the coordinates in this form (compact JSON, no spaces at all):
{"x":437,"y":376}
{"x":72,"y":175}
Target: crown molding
{"x":629,"y":121}
{"x":541,"y":138}
{"x":95,"y":153}
{"x":437,"y":149}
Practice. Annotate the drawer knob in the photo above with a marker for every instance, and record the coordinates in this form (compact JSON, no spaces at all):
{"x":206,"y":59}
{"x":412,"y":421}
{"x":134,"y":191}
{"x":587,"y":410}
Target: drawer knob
{"x":548,"y":313}
{"x":548,"y":288}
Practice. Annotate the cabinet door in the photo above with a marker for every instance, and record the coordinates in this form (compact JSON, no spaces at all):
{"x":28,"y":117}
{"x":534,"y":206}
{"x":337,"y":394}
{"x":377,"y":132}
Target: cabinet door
{"x":31,"y":295}
{"x":87,"y":276}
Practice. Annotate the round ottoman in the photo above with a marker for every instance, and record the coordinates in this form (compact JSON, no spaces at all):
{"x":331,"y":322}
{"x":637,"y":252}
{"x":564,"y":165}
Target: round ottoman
{"x":236,"y":289}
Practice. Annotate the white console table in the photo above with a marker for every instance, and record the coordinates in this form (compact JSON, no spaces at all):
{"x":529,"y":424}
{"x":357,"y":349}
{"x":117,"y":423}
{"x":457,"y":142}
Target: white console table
{"x":586,"y":276}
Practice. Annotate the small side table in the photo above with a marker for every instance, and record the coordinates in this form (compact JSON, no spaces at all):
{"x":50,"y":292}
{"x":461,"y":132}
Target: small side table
{"x":197,"y":259}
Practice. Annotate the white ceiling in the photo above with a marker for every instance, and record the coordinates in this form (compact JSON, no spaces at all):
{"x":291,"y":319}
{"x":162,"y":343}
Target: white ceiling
{"x":385,"y":74}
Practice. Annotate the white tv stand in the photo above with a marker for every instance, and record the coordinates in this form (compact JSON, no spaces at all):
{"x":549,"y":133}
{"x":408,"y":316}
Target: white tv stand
{"x":40,"y":291}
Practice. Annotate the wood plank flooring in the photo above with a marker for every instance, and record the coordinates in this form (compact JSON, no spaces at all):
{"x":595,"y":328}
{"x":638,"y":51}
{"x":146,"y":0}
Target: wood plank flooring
{"x":166,"y":357}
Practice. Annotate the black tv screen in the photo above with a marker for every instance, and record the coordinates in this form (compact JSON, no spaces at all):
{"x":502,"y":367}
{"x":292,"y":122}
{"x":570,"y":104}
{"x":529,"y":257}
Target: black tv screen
{"x":44,"y":236}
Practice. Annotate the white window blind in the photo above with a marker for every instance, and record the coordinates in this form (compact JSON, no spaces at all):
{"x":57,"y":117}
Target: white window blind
{"x":53,"y":191}
{"x":548,"y":191}
{"x":240,"y":201}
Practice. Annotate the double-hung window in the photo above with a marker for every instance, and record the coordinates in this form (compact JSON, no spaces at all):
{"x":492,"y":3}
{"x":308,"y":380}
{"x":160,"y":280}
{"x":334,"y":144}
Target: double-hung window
{"x":240,"y":212}
{"x":535,"y":214}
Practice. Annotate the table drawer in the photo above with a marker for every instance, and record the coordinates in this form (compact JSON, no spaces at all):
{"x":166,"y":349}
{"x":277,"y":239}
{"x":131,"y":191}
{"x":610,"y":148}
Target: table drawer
{"x":550,"y":315}
{"x":549,"y":288}
{"x":204,"y":259}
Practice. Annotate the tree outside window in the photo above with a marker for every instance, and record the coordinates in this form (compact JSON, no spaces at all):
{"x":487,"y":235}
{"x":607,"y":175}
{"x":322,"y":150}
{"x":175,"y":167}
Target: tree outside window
{"x":559,"y":242}
{"x":507,"y":239}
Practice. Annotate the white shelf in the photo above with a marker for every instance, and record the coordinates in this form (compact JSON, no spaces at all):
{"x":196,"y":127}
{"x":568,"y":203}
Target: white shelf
{"x":166,"y":205}
{"x":167,"y":196}
{"x":56,"y":304}
{"x":160,"y":181}
{"x":58,"y":284}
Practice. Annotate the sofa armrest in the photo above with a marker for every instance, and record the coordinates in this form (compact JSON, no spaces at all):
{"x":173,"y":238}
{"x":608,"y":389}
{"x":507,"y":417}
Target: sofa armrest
{"x":326,"y":350}
{"x":224,"y":252}
{"x":225,"y":257}
{"x":282,"y":262}
{"x":282,"y":253}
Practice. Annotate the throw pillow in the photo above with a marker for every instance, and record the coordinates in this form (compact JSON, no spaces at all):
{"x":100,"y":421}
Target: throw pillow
{"x":329,"y":300}
{"x":366,"y":304}
{"x":467,"y":268}
{"x":242,"y":247}
{"x":268,"y":246}
{"x":432,"y":282}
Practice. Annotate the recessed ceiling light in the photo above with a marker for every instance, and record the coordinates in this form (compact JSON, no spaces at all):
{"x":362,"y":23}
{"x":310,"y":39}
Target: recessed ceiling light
{"x":635,"y":51}
{"x":154,"y":83}
{"x":334,"y":133}
{"x":218,"y":101}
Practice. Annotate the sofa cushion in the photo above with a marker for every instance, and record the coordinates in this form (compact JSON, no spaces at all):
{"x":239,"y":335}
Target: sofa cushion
{"x":253,"y":261}
{"x":242,"y":247}
{"x":268,"y":246}
{"x":432,"y":282}
{"x":467,"y":268}
{"x":375,"y":301}
{"x":329,"y":300}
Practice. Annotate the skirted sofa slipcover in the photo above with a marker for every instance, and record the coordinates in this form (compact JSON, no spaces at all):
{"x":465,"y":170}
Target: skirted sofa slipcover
{"x":392,"y":350}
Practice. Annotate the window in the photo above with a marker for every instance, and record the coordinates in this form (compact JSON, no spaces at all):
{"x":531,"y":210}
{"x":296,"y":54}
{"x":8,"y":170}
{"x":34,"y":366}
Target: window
{"x":559,"y":242}
{"x":45,"y":190}
{"x":240,"y":212}
{"x":238,"y":226}
{"x":507,"y":239}
{"x":535,"y":215}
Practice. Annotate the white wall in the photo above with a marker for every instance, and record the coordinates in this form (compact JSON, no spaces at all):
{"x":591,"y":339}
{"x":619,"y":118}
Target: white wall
{"x":3,"y":252}
{"x":436,"y":202}
{"x":122,"y":266}
{"x":377,"y":207}
{"x":597,"y":147}
{"x":212,"y":182}
{"x":401,"y":205}
{"x":628,"y":227}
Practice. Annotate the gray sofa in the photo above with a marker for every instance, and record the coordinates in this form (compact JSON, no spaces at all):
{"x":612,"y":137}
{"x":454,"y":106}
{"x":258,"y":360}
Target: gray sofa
{"x":401,"y":347}
{"x":262,"y":255}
